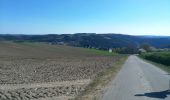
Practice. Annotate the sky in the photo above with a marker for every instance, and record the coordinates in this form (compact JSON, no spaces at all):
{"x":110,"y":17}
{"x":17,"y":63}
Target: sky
{"x":134,"y":17}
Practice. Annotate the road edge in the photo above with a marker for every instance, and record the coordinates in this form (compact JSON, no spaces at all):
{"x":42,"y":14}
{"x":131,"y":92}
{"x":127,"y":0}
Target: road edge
{"x":96,"y":89}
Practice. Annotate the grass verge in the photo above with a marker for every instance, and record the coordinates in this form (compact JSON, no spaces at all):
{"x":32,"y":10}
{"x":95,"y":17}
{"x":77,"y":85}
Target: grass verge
{"x":101,"y":52}
{"x":94,"y":90}
{"x":161,"y":66}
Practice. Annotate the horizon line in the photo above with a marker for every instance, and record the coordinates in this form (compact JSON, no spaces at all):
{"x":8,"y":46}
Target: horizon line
{"x":84,"y":33}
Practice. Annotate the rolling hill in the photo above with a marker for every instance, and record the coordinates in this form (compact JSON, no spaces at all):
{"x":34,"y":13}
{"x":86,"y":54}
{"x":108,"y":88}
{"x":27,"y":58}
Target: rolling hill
{"x":92,"y":40}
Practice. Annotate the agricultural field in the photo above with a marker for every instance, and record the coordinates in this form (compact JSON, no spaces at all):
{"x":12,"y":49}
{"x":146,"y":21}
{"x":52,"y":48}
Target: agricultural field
{"x":161,"y":59}
{"x":33,"y":71}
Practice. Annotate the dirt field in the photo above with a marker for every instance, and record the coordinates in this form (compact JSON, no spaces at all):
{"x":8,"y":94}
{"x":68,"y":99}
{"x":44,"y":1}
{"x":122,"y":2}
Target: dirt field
{"x":23,"y":65}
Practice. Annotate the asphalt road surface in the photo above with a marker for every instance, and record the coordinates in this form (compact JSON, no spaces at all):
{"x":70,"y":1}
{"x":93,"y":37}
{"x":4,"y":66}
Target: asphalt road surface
{"x":139,"y":80}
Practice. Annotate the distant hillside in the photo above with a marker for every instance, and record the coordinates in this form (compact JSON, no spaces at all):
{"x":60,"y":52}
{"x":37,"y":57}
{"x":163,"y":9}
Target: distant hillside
{"x":92,"y":40}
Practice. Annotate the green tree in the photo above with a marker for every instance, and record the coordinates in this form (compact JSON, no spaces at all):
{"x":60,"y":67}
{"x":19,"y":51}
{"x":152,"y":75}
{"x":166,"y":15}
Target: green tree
{"x":146,"y":47}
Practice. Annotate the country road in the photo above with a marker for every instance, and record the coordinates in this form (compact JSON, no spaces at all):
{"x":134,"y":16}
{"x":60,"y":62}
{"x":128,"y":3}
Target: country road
{"x":139,"y":80}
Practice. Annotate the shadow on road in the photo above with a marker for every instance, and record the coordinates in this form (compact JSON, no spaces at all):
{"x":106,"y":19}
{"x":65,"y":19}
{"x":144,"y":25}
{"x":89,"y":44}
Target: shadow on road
{"x":160,"y":95}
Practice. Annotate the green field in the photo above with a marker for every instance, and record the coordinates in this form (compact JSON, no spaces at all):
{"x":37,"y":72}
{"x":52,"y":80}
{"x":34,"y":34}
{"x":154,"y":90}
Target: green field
{"x":161,"y":59}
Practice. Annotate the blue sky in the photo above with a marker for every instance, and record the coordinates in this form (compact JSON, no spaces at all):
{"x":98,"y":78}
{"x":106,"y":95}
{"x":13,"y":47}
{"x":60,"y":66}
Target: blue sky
{"x":135,"y":17}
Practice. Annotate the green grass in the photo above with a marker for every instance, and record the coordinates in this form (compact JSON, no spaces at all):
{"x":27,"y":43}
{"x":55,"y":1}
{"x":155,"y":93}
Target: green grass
{"x":159,"y":59}
{"x":73,"y":49}
{"x":26,"y":43}
{"x":163,"y":67}
{"x":101,"y":52}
